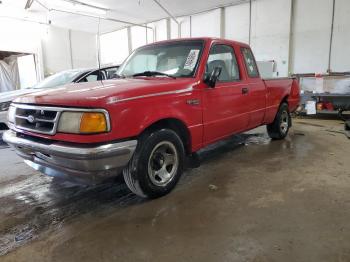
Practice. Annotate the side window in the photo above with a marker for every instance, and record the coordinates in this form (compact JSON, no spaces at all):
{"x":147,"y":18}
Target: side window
{"x":111,"y":72}
{"x":223,"y":56}
{"x":92,"y":77}
{"x":250,"y":64}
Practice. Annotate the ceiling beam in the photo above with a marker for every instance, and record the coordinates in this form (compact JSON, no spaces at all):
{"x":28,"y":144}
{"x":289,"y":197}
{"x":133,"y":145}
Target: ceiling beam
{"x":28,"y":4}
{"x":102,"y":18}
{"x":90,"y":15}
{"x":166,"y":11}
{"x":86,"y":4}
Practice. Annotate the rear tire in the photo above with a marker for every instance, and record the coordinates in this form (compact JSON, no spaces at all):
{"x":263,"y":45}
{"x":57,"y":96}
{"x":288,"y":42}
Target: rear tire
{"x":156,"y":165}
{"x":279,"y":128}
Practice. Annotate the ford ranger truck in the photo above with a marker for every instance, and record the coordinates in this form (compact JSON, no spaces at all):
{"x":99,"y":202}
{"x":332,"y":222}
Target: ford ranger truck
{"x":171,"y":99}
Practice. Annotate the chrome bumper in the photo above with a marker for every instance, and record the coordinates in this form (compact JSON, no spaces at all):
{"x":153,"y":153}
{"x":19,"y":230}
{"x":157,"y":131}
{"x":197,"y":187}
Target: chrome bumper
{"x":65,"y":159}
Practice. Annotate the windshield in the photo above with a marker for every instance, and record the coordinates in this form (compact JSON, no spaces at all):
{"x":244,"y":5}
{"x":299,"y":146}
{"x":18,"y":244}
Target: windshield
{"x":58,"y":79}
{"x":177,"y":59}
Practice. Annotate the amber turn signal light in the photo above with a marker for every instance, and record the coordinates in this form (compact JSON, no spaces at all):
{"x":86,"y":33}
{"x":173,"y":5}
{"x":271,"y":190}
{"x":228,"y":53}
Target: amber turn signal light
{"x":93,"y":123}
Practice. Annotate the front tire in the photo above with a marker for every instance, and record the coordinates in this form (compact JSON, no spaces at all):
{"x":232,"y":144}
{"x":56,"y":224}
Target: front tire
{"x":279,"y":128}
{"x":157,"y":164}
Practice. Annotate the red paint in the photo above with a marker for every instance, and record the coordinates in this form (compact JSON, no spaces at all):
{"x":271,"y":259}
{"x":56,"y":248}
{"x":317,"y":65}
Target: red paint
{"x":136,"y":103}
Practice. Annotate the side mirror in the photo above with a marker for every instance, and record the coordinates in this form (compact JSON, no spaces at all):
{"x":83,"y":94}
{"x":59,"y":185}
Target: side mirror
{"x":214,"y":76}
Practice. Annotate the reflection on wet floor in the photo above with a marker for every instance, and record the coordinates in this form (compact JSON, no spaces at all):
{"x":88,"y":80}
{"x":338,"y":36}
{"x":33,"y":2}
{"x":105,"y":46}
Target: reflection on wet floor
{"x":273,"y":201}
{"x":37,"y":203}
{"x":30,"y":205}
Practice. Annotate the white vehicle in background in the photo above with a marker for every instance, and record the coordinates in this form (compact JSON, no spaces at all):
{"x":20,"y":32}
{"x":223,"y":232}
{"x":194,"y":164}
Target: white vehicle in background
{"x":58,"y":79}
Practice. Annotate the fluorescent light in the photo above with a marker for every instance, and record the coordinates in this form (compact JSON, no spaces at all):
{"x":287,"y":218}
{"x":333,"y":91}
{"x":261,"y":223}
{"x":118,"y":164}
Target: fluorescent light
{"x":77,"y":7}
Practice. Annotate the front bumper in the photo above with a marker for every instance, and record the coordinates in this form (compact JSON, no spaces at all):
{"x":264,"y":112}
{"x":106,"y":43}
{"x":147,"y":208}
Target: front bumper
{"x":73,"y":160}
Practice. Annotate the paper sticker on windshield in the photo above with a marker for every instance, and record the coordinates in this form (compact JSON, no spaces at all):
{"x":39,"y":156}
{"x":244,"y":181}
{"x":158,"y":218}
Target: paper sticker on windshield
{"x":191,"y":60}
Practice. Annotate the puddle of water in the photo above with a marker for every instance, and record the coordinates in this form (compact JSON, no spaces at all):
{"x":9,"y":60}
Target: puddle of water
{"x":257,"y":139}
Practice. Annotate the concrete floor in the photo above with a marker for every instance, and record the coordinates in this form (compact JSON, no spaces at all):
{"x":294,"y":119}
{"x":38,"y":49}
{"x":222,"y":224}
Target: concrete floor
{"x":252,"y":199}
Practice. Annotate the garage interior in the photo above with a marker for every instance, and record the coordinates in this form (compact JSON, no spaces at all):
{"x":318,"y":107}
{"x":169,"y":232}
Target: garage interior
{"x":247,"y":198}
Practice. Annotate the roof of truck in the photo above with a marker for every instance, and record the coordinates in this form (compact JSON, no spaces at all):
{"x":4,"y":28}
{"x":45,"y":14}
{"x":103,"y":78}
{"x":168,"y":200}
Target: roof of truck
{"x":206,"y":39}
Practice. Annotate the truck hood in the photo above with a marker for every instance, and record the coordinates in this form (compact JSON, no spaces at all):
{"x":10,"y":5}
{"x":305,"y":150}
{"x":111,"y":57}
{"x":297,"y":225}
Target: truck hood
{"x":107,"y":92}
{"x":11,"y":95}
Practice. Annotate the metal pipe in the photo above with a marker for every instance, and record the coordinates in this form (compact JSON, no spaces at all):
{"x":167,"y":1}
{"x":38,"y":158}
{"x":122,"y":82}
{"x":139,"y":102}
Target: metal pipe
{"x":85,"y":4}
{"x":222,"y":22}
{"x":28,"y":4}
{"x":24,"y":20}
{"x":291,"y":35}
{"x":42,"y":5}
{"x":70,"y":48}
{"x":331,"y":39}
{"x":89,"y":15}
{"x":98,"y":17}
{"x":250,"y":20}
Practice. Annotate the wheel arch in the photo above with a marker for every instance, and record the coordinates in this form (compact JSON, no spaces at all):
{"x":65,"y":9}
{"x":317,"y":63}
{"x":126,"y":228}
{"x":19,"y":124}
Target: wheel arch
{"x":177,"y":126}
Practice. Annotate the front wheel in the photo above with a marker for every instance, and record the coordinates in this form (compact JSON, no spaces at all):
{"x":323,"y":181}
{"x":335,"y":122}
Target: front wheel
{"x":279,"y":128}
{"x":157,"y":164}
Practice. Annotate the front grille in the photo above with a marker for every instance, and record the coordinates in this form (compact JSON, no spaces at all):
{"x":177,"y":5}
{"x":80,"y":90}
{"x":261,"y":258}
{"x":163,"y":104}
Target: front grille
{"x":37,"y":119}
{"x":42,"y":119}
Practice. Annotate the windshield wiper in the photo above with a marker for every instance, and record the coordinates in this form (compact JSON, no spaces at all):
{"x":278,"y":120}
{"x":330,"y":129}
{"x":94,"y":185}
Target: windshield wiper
{"x":153,"y":73}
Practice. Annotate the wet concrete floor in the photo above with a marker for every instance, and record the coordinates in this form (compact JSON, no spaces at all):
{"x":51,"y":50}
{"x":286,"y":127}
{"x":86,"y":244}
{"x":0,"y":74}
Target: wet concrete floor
{"x":251,"y":199}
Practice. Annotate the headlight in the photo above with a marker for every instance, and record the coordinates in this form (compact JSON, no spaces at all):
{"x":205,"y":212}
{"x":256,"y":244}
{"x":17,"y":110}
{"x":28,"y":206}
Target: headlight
{"x":83,"y":122}
{"x":5,"y":106}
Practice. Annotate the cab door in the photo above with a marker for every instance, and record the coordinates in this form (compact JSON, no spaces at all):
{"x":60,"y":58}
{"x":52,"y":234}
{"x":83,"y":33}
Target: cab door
{"x":256,"y":89}
{"x":225,"y":109}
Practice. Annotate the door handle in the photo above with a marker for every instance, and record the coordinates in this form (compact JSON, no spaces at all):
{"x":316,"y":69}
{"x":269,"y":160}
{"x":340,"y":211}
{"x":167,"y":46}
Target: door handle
{"x":245,"y":90}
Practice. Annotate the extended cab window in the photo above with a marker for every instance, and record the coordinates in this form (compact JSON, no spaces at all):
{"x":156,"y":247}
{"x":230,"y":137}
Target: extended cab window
{"x":250,"y":64}
{"x":224,"y":57}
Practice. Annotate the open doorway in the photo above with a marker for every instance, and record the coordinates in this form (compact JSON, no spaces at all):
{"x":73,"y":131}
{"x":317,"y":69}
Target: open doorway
{"x":17,"y":70}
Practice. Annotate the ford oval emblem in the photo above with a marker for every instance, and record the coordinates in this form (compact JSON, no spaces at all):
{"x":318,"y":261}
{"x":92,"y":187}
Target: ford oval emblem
{"x":31,"y":119}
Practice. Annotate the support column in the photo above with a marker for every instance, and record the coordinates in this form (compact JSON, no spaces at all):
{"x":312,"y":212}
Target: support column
{"x":331,"y":39}
{"x":291,"y":37}
{"x":129,"y":40}
{"x":222,"y":22}
{"x":168,"y":29}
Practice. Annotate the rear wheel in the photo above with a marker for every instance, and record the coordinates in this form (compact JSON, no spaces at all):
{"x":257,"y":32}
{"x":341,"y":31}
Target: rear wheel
{"x":279,"y":128}
{"x":157,"y":164}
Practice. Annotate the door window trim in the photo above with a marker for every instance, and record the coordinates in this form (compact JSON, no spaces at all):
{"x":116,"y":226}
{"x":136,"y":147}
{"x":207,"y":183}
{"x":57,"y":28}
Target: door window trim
{"x":245,"y":63}
{"x":235,"y":57}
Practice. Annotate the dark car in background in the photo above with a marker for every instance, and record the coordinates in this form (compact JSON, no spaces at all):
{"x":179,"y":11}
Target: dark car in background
{"x":58,"y":79}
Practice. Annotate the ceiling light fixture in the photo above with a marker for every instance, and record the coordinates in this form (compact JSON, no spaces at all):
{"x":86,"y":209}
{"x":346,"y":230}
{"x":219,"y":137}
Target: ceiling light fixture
{"x":77,"y":6}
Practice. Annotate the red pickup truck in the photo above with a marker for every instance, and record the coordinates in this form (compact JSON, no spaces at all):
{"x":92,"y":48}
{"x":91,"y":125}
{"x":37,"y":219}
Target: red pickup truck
{"x":172,"y":98}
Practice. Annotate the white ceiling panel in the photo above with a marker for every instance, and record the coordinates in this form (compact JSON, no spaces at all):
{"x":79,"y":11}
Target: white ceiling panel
{"x":132,"y":11}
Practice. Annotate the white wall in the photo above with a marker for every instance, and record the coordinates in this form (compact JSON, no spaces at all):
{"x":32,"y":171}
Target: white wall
{"x":340,"y":60}
{"x":307,"y":46}
{"x":206,"y":24}
{"x":161,"y":32}
{"x":138,"y":36}
{"x":185,"y":26}
{"x":174,"y":30}
{"x":64,"y":49}
{"x":56,"y":50}
{"x":311,"y":33}
{"x":270,"y":32}
{"x":237,"y":22}
{"x":23,"y":37}
{"x":114,"y":47}
{"x":84,"y":49}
